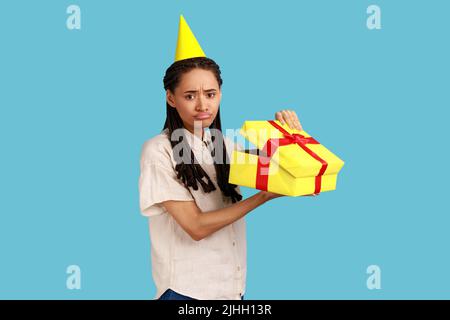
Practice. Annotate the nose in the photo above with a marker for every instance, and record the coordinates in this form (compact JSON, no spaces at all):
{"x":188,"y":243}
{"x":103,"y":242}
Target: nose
{"x":201,"y":104}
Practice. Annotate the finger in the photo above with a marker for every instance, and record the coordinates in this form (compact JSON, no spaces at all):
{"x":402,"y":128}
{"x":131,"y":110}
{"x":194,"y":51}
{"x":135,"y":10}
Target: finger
{"x":284,"y":117}
{"x":287,"y":118}
{"x":299,"y":125}
{"x":279,"y":117}
{"x":292,"y":119}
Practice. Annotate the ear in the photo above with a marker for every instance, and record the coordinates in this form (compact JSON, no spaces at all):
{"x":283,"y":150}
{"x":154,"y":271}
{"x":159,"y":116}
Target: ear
{"x":170,"y":98}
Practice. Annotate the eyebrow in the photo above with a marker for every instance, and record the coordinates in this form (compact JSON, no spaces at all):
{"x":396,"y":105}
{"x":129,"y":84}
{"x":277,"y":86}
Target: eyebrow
{"x":195,"y":91}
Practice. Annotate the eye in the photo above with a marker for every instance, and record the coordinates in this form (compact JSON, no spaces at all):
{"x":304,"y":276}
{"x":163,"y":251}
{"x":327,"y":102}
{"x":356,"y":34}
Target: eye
{"x":189,"y":97}
{"x":211,"y":95}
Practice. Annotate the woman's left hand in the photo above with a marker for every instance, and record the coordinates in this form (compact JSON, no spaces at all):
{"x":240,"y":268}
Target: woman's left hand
{"x":289,"y":117}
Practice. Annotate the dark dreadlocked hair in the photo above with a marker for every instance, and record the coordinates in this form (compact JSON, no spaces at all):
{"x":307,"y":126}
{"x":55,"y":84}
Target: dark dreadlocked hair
{"x":192,"y":173}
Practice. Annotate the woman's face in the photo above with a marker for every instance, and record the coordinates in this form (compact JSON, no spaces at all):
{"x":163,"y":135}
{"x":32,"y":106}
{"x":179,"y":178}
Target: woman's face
{"x":196,"y":98}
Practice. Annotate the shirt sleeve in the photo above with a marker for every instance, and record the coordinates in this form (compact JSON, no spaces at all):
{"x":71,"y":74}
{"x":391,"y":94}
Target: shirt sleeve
{"x":157,"y":183}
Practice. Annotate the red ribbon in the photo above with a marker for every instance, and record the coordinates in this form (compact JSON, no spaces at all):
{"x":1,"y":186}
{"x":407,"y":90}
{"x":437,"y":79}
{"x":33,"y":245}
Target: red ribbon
{"x":271,"y":146}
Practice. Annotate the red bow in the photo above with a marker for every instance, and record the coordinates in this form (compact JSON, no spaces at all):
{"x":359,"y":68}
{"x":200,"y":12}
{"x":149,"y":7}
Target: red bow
{"x":271,"y":145}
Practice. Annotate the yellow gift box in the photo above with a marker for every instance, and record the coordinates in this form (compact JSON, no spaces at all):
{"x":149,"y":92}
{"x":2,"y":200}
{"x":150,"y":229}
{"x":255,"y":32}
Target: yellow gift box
{"x":286,"y":161}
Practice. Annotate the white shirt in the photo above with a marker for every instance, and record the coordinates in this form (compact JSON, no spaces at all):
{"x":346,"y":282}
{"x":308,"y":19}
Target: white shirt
{"x":213,"y":268}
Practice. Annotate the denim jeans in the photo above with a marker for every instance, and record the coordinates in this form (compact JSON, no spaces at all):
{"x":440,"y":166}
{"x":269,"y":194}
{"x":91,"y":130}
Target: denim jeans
{"x":169,"y":294}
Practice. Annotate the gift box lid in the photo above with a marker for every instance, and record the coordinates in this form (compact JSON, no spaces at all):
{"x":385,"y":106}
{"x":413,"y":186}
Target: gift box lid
{"x":297,"y":152}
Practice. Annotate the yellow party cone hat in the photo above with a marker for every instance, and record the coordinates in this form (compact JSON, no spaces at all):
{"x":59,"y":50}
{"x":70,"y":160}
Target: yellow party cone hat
{"x":187,"y":45}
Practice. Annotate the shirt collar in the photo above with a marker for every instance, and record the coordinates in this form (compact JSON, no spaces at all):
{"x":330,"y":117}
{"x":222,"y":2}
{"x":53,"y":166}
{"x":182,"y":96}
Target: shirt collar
{"x":195,"y":142}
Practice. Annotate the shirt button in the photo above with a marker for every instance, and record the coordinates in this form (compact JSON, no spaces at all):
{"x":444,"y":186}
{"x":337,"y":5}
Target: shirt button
{"x":234,"y":243}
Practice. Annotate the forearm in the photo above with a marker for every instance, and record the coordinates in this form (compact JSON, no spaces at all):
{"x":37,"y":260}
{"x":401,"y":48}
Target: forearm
{"x":211,"y":221}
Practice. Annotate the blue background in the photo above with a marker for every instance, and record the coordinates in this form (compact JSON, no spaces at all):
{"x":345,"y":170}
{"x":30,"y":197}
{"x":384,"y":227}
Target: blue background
{"x":77,"y":105}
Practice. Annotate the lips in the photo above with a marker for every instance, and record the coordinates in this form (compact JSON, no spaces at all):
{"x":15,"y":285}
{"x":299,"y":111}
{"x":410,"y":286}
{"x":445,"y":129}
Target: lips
{"x":202,"y":116}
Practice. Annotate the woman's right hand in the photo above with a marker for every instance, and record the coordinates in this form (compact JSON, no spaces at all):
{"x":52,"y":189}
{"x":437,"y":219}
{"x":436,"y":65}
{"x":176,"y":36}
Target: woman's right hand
{"x":270,"y":195}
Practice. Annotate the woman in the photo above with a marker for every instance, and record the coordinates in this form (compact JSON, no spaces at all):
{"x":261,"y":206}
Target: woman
{"x":197,"y":226}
